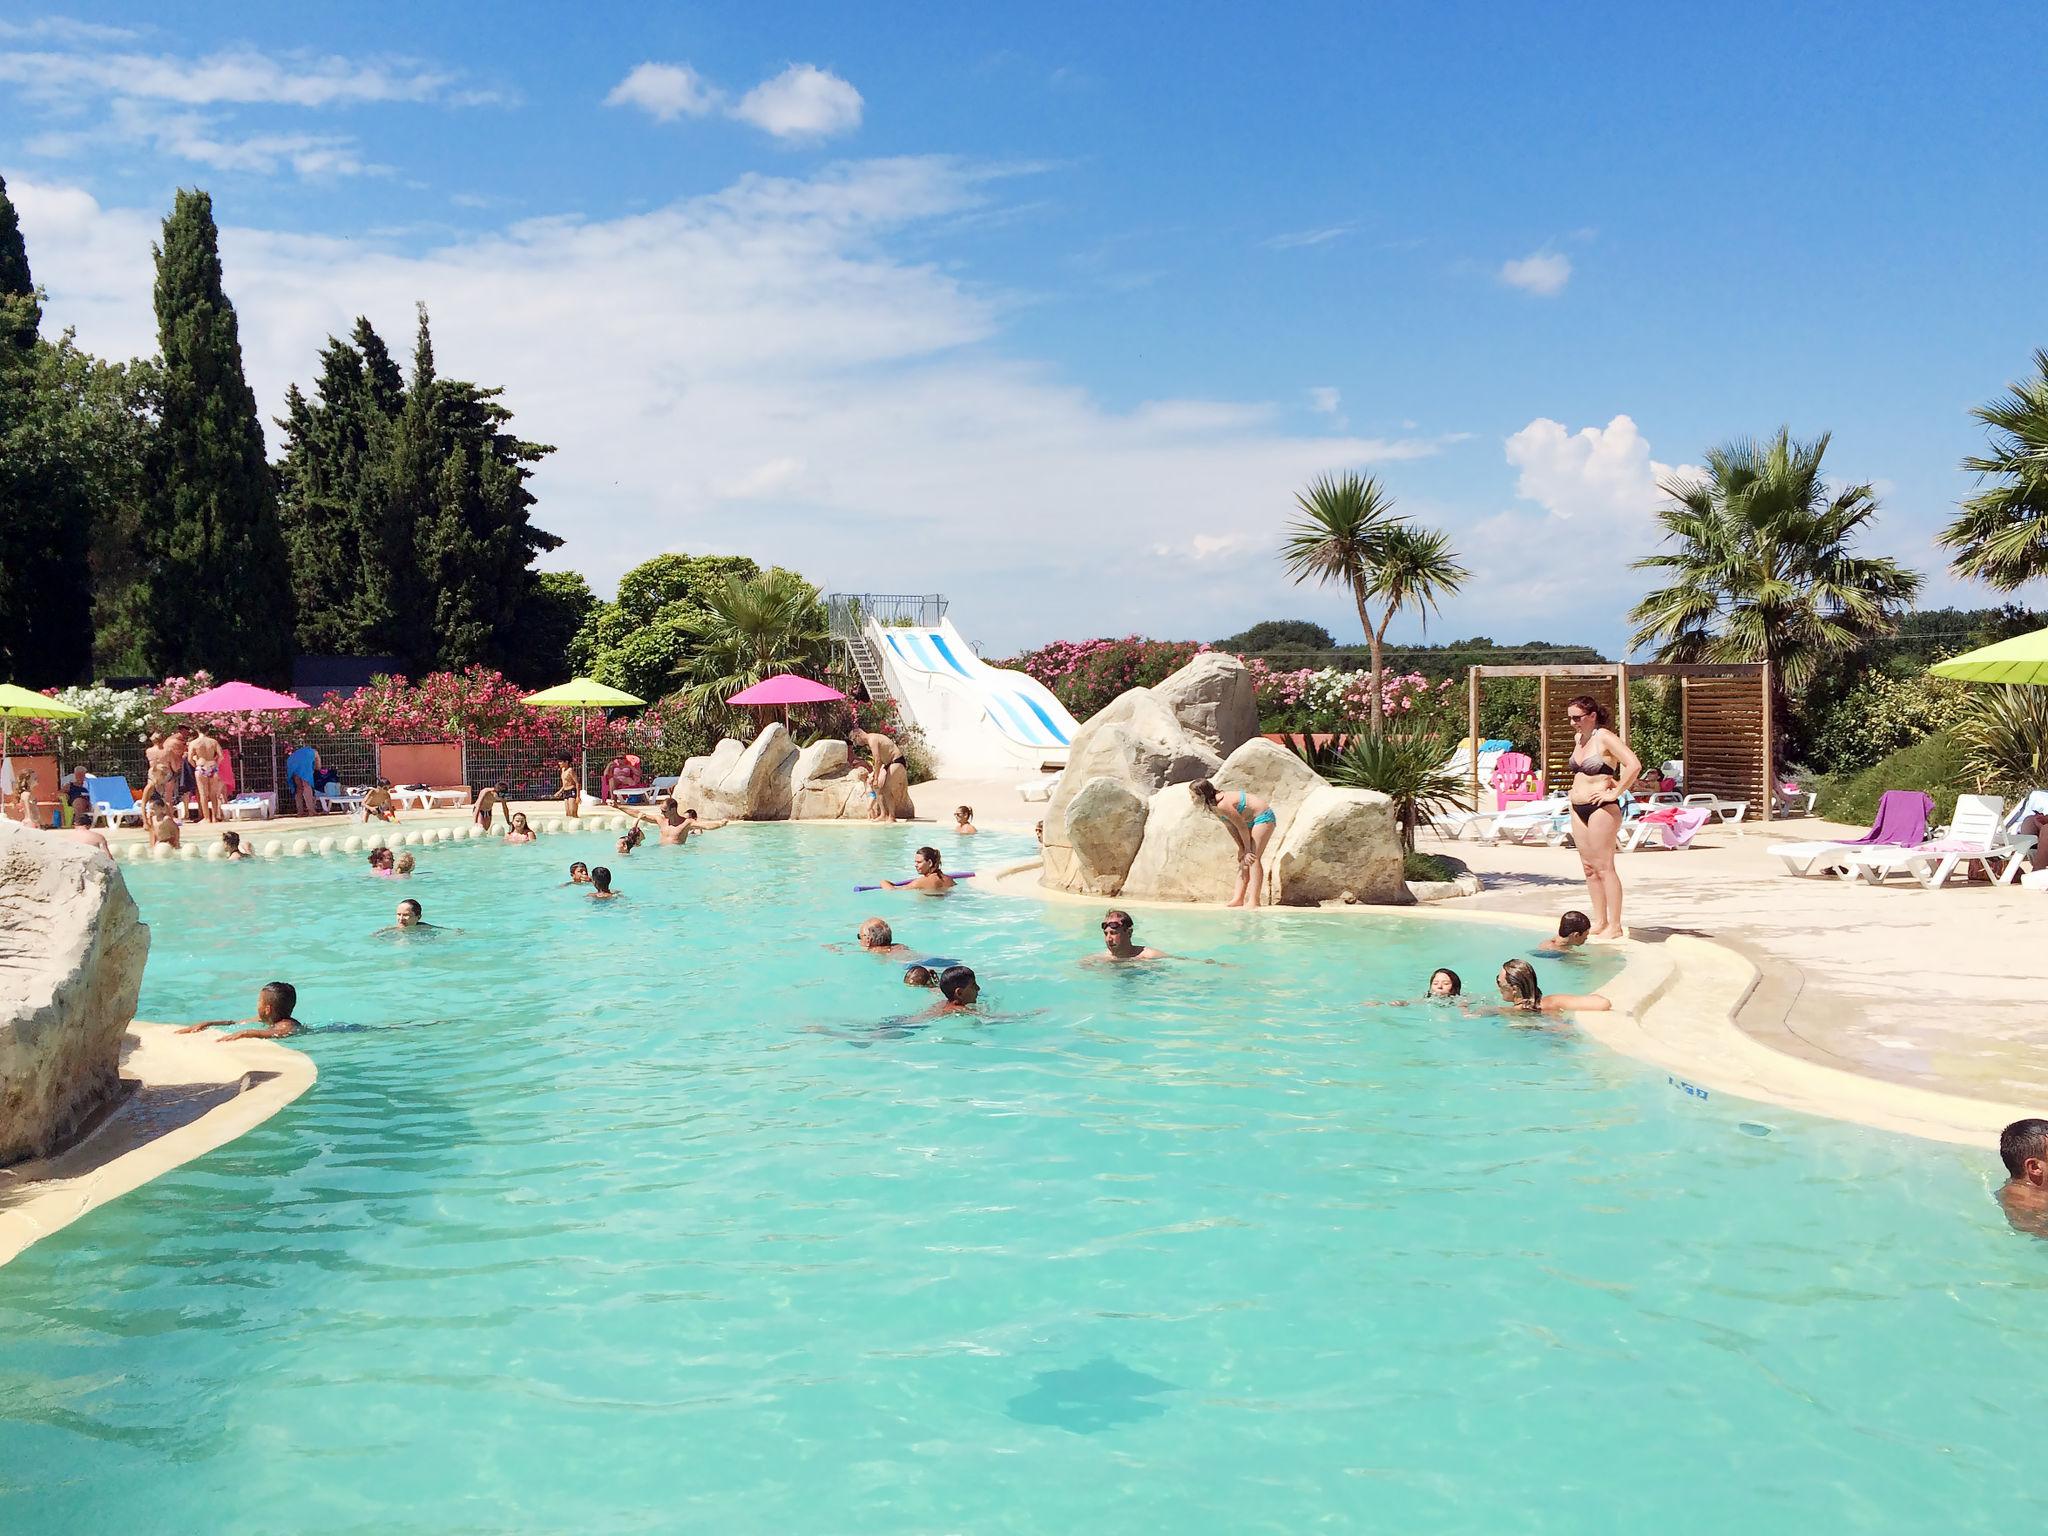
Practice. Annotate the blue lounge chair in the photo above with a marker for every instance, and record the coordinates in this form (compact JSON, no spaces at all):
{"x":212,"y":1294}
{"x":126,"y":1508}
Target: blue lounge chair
{"x":112,"y":800}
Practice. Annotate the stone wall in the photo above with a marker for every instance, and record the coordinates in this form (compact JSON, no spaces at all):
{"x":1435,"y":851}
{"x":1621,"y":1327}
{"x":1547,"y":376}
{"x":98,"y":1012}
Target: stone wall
{"x":71,"y":956}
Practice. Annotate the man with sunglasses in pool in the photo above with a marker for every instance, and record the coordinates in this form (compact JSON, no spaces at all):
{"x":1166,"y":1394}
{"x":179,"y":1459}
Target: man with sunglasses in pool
{"x":1118,"y":948}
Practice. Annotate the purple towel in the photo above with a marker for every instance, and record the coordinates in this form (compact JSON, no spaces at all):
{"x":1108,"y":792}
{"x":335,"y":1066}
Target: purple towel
{"x":1902,"y":816}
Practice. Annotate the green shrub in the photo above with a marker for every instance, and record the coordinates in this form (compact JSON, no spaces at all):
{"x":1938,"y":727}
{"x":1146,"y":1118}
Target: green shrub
{"x":1878,"y":715}
{"x":1406,"y":768}
{"x":1426,"y":866}
{"x":2004,"y":736}
{"x":1934,"y":763}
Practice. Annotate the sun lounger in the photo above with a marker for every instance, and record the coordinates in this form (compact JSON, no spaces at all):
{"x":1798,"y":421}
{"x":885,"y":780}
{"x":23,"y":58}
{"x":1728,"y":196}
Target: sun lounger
{"x":1976,"y":836}
{"x":1657,"y":830}
{"x":348,"y":801}
{"x":112,"y":800}
{"x":1730,"y":811}
{"x":1901,"y":822}
{"x":245,"y":806}
{"x":1524,"y":821}
{"x":1040,"y":788}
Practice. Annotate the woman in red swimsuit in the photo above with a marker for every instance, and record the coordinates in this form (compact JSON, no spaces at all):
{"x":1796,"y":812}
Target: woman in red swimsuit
{"x":1603,"y":770}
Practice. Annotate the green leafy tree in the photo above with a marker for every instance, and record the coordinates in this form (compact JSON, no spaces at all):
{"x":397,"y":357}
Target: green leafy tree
{"x":1347,"y":531}
{"x":1279,"y":635}
{"x":643,"y":642}
{"x":555,"y":611}
{"x":2001,"y":534}
{"x":2003,"y":732}
{"x":1762,"y":566}
{"x":217,"y":591}
{"x":21,"y":310}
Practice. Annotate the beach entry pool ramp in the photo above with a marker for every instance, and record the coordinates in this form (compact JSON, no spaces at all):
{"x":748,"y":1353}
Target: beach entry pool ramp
{"x":977,"y":719}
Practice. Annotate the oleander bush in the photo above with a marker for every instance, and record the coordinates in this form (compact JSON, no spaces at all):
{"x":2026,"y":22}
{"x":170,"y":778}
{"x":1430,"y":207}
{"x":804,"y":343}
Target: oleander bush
{"x":1879,"y":714}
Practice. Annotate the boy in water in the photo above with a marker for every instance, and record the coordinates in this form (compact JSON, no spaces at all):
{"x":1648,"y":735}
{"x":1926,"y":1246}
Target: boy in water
{"x":601,"y":885}
{"x":1118,"y":946}
{"x":579,"y":874}
{"x":275,"y":1005}
{"x":377,"y":802}
{"x":2023,"y":1147}
{"x":1573,"y":929}
{"x":919,"y":976}
{"x":958,"y":990}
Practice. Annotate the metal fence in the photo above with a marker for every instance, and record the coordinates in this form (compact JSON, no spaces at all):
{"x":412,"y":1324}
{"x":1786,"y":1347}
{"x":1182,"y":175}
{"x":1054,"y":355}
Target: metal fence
{"x":848,"y":612}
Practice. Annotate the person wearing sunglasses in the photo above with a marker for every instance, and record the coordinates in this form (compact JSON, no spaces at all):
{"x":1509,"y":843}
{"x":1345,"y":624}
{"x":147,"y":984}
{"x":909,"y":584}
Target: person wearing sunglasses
{"x":1603,"y":770}
{"x":1117,"y":944}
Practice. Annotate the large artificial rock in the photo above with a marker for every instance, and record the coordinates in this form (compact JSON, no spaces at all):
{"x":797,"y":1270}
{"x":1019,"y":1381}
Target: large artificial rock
{"x":71,"y":956}
{"x":1187,"y":855}
{"x":822,"y":786}
{"x":697,"y":785}
{"x":1214,"y":698}
{"x":1340,"y":840}
{"x":1273,"y":773}
{"x":1134,"y":741}
{"x":757,"y":785}
{"x":1105,"y":824}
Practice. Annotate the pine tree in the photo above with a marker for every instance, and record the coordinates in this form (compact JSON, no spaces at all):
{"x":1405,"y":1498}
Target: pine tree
{"x":218,"y":584}
{"x":20,"y":311}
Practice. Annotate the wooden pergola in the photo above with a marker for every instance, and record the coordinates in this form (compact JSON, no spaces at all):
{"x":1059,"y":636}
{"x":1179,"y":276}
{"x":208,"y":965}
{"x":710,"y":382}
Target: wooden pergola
{"x":1724,"y":714}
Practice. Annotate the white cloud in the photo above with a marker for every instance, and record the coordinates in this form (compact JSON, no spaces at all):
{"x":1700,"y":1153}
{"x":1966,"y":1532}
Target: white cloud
{"x":64,"y":29}
{"x":241,"y":76}
{"x":1298,"y":239}
{"x":1325,"y":400}
{"x":1596,"y":472}
{"x":665,"y":92}
{"x":1543,"y":273}
{"x":803,"y":102}
{"x":200,"y":138}
{"x":772,"y":340}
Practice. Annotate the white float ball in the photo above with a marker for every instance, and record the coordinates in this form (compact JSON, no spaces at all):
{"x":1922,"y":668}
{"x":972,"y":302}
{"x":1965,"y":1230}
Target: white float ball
{"x":299,"y":846}
{"x":272,"y":848}
{"x":162,"y":851}
{"x":414,"y":839}
{"x":189,"y":851}
{"x":353,"y":845}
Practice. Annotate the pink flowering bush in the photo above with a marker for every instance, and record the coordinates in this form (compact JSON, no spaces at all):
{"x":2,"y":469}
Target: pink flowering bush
{"x":475,"y":704}
{"x":1085,"y":675}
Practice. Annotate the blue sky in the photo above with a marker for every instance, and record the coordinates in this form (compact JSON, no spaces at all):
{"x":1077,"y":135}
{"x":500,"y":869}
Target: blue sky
{"x":1054,"y":310}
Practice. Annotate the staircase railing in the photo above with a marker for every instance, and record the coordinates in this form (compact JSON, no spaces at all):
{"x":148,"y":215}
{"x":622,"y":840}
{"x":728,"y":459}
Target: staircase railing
{"x":848,"y":613}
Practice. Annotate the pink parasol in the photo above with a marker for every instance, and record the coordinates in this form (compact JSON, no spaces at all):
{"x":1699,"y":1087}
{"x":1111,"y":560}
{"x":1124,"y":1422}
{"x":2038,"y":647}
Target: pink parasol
{"x":786,"y":688}
{"x":240,"y":699}
{"x":233,"y":699}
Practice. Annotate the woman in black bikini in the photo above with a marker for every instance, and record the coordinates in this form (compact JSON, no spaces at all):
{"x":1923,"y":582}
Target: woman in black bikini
{"x":1603,"y":770}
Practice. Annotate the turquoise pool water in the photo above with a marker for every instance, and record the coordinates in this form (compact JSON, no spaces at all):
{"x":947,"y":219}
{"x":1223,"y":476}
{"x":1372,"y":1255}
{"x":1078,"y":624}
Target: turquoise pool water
{"x":643,"y":1217}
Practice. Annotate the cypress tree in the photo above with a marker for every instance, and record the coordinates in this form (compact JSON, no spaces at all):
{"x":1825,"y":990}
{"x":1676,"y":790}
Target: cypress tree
{"x":45,"y":578}
{"x":218,"y":583}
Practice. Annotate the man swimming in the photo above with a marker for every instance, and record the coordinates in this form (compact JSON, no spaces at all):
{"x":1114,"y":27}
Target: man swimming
{"x":1118,"y":947}
{"x":671,"y":826}
{"x":877,"y":938}
{"x":2023,"y":1148}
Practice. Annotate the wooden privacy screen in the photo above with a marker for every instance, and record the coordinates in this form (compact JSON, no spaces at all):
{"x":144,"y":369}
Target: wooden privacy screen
{"x":438,"y":765}
{"x":1724,"y":740}
{"x":1559,"y":740}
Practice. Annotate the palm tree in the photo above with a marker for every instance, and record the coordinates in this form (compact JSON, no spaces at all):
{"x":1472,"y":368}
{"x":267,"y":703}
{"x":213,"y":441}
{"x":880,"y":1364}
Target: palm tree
{"x":752,"y":628}
{"x":1348,"y":531}
{"x":1764,"y":568}
{"x":1410,"y":769}
{"x":2001,"y":536}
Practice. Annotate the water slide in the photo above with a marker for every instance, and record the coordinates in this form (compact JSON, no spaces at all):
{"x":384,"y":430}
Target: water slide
{"x":980,"y":720}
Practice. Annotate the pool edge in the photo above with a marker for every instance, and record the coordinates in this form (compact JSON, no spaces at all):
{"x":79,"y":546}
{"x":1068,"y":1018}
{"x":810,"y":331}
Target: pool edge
{"x":211,"y":1091}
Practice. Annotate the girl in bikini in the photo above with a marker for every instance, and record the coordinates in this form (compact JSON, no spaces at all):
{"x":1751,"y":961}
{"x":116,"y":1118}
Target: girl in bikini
{"x":1603,"y":770}
{"x":1251,"y":822}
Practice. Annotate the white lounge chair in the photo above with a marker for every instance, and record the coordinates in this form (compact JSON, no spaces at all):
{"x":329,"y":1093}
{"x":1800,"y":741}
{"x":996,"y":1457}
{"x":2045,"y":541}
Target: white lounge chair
{"x":1040,"y":788}
{"x":347,"y":801}
{"x":1525,"y":821}
{"x":1729,"y":811}
{"x":249,"y":804}
{"x":1976,"y":835}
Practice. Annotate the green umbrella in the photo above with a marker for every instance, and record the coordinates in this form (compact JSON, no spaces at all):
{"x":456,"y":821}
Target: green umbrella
{"x":18,"y":703}
{"x":582,"y":693}
{"x":2022,"y":659}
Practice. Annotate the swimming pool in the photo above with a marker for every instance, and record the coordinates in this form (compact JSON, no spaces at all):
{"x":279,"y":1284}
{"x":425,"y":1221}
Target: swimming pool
{"x":644,"y":1217}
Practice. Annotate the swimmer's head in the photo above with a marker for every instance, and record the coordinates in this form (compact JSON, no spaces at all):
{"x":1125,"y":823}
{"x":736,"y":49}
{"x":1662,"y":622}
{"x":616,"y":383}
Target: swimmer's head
{"x":601,"y":879}
{"x":963,"y":813}
{"x":1038,"y":832}
{"x":277,"y":1000}
{"x":1517,"y":983}
{"x":408,"y":913}
{"x":380,"y":858}
{"x":403,"y":864}
{"x":579,"y":873}
{"x":519,"y":823}
{"x":1574,"y":925}
{"x":875,"y":933}
{"x":690,"y":814}
{"x":2023,"y":1146}
{"x":919,"y":976}
{"x":1116,"y":927}
{"x":1444,"y":982}
{"x":232,"y":841}
{"x":957,"y":985}
{"x":928,"y":862}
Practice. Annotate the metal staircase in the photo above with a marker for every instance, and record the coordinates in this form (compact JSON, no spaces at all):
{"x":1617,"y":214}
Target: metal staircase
{"x":848,"y":614}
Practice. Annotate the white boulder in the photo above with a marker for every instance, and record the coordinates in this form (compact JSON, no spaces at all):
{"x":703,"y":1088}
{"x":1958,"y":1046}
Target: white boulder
{"x":1341,"y":840}
{"x":72,"y":949}
{"x":1105,"y":826}
{"x":1214,"y":698}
